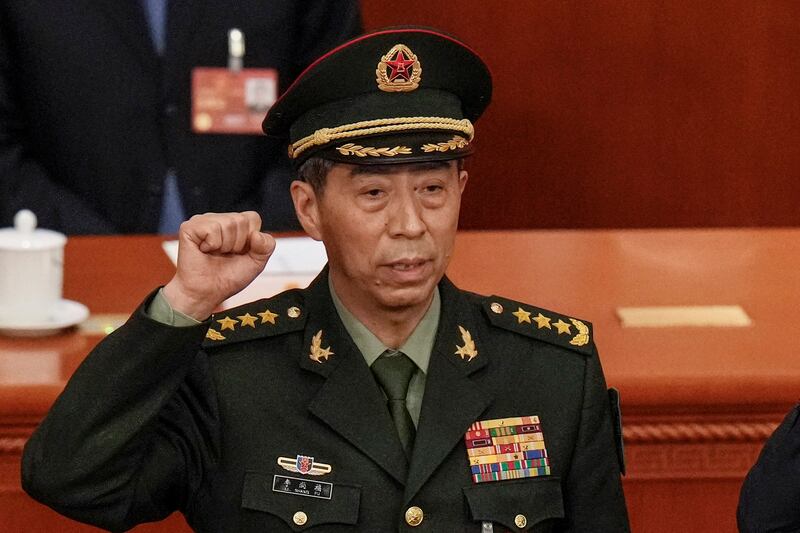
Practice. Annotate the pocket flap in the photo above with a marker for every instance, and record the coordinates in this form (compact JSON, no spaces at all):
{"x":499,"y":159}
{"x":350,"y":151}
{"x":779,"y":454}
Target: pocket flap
{"x":298,"y":511}
{"x":535,"y":499}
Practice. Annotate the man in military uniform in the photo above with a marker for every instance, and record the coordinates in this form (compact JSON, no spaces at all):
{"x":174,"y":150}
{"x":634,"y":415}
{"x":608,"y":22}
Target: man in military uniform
{"x":381,"y":397}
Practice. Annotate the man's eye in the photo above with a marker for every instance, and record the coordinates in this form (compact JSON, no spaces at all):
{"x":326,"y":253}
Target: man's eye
{"x":374,"y":193}
{"x":433,"y":188}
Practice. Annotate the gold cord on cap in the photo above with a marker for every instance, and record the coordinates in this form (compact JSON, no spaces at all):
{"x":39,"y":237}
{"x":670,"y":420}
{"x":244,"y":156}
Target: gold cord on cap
{"x":383,"y":125}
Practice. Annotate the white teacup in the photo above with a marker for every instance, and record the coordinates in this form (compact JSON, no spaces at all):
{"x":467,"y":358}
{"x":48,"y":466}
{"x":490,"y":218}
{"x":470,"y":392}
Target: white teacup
{"x":31,"y":271}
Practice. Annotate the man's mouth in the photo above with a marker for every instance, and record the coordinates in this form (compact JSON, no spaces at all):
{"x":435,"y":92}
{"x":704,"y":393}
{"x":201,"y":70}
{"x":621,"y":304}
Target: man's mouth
{"x":407,"y":264}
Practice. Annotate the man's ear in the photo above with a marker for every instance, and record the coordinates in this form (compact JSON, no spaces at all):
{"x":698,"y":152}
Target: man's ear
{"x":306,"y":206}
{"x":462,"y":180}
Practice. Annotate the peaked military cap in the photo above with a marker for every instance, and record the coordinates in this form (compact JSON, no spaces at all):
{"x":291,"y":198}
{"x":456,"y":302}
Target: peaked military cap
{"x":397,"y":95}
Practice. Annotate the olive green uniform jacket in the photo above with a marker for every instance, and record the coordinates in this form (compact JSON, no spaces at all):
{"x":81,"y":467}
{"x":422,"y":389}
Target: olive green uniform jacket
{"x":159,"y":418}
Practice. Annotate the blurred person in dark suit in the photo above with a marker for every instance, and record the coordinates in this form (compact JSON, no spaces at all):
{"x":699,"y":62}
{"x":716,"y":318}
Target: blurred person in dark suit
{"x":770,"y":496}
{"x":97,"y":130}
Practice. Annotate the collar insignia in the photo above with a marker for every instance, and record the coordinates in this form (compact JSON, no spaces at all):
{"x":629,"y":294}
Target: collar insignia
{"x":399,"y":70}
{"x":467,"y":351}
{"x":318,"y":353}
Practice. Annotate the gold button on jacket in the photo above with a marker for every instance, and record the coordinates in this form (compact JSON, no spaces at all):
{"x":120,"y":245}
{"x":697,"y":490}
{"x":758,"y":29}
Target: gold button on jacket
{"x":300,"y":518}
{"x":414,"y":516}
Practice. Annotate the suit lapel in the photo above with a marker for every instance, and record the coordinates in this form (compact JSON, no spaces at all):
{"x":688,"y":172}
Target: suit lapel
{"x":128,"y":17}
{"x":183,"y":18}
{"x":452,"y":399}
{"x":350,"y":401}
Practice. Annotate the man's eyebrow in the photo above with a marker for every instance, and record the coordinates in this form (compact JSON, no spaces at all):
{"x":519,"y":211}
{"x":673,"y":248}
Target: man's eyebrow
{"x":422,"y":166}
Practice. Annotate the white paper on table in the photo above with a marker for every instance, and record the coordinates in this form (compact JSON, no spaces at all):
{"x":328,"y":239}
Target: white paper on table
{"x":672,"y":316}
{"x":295,"y":263}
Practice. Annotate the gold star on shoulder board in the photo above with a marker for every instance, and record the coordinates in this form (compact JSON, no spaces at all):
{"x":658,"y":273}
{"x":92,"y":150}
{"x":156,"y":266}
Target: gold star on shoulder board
{"x":562,"y":327}
{"x":247,"y":320}
{"x":522,"y":315}
{"x":318,"y":353}
{"x":227,"y":323}
{"x":467,"y":351}
{"x":268,"y":316}
{"x":542,"y":321}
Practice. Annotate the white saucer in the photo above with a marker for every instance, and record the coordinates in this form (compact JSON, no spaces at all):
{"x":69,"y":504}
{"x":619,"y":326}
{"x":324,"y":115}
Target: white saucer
{"x":64,"y":313}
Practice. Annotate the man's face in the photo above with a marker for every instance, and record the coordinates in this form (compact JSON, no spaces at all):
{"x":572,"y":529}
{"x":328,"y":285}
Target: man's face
{"x":388,"y":230}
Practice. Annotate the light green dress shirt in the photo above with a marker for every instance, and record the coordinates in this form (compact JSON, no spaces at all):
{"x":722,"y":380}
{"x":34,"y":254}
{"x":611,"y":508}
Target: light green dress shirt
{"x":160,"y":311}
{"x":418,"y":346}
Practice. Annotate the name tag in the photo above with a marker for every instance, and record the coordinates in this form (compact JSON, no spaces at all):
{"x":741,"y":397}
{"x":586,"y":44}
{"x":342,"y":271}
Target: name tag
{"x":302,"y":487}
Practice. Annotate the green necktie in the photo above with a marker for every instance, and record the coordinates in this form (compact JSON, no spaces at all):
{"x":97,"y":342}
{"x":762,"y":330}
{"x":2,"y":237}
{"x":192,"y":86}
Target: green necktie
{"x":393,"y":370}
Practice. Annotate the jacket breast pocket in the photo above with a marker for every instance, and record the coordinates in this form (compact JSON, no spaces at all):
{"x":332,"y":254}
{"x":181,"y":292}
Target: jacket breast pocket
{"x":336,"y":504}
{"x":519,"y":505}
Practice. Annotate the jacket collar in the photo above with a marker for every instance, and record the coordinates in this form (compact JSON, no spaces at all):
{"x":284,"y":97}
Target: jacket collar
{"x":453,"y":400}
{"x":351,"y":402}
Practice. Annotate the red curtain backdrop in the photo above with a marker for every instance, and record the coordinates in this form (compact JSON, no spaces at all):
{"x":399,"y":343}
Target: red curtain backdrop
{"x":629,"y":113}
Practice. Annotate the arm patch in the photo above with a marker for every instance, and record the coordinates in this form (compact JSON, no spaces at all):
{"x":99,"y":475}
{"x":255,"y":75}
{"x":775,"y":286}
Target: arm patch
{"x":540,"y":324}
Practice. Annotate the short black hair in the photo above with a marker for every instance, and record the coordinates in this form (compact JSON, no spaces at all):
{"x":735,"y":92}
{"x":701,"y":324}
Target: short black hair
{"x":313,"y":171}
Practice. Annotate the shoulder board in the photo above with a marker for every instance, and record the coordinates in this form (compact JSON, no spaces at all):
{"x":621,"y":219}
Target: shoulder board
{"x":280,"y":314}
{"x":540,"y":324}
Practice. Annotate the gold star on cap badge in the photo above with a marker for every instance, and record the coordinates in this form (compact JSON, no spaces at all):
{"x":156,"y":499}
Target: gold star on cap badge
{"x":522,"y":315}
{"x":542,"y":321}
{"x":562,"y":327}
{"x":268,"y":316}
{"x":227,"y":323}
{"x":318,"y":353}
{"x":399,"y":70}
{"x":247,"y":320}
{"x":467,"y":351}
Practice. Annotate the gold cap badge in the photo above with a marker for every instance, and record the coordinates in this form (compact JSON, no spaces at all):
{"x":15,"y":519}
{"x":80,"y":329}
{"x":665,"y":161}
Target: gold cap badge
{"x":399,"y":70}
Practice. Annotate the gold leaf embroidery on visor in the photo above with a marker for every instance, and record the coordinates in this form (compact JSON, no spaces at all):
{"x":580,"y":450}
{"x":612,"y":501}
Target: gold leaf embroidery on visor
{"x":453,"y":144}
{"x":364,"y":151}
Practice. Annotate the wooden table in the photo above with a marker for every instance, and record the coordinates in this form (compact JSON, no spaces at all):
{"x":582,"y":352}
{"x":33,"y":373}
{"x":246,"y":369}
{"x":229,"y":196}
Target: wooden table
{"x":697,"y":402}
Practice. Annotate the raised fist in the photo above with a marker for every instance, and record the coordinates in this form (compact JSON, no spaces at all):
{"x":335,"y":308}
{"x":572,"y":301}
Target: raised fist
{"x":219,"y":254}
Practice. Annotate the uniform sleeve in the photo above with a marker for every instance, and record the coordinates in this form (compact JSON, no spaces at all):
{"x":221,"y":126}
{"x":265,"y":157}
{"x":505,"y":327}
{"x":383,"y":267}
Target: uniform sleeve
{"x":24,"y":183}
{"x":770,"y":496}
{"x":593,"y":498}
{"x":160,"y":311}
{"x":133,"y":434}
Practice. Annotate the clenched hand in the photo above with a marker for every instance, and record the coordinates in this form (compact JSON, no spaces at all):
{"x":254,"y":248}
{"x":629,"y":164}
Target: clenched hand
{"x":219,"y":254}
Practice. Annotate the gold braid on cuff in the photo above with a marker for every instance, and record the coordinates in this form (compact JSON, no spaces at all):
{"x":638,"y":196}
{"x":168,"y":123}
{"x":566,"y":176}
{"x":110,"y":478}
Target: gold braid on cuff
{"x":375,"y":127}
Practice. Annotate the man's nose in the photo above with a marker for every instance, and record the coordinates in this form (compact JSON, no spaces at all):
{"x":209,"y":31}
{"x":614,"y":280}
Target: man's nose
{"x":405,"y":219}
